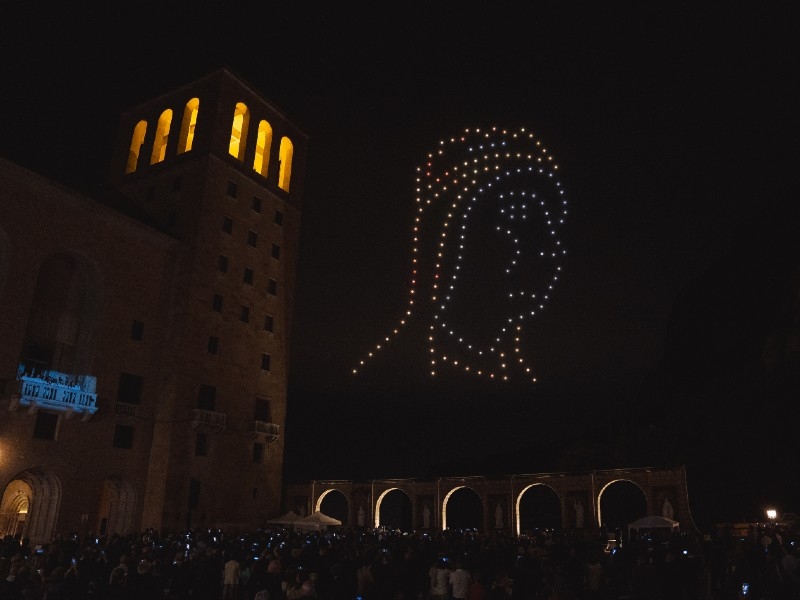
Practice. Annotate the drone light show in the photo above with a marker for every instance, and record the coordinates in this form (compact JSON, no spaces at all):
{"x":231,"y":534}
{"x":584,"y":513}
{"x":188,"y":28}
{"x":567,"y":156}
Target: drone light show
{"x":486,"y":251}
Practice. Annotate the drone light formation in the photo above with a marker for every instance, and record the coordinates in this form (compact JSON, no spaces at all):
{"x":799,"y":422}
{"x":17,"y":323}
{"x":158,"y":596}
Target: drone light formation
{"x":486,"y":253}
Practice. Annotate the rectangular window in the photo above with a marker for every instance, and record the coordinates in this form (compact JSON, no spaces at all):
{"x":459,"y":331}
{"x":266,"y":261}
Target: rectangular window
{"x":258,"y":453}
{"x":206,"y":397}
{"x":262,"y":412}
{"x":256,"y":206}
{"x":201,"y":444}
{"x":265,"y":361}
{"x":269,"y":323}
{"x":137,"y":331}
{"x":276,"y":251}
{"x":245,"y":316}
{"x":223,"y":263}
{"x":151,"y":193}
{"x":216,"y":303}
{"x":278,"y":217}
{"x":177,"y":183}
{"x":252,"y":238}
{"x":232,"y":189}
{"x":227,"y":225}
{"x":213,"y":344}
{"x":248,"y":276}
{"x":130,"y":388}
{"x":123,"y":437}
{"x":46,"y":425}
{"x":272,"y":287}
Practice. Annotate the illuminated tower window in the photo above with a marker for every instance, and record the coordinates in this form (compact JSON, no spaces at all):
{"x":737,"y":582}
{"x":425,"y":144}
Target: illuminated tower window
{"x":136,"y":146}
{"x":162,"y":137}
{"x":263,"y":143}
{"x":187,"y":125}
{"x":285,"y":156}
{"x":241,"y":121}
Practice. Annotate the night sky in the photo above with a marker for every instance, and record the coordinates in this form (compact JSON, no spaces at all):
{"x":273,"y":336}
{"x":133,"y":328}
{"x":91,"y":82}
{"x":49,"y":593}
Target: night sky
{"x":670,"y":126}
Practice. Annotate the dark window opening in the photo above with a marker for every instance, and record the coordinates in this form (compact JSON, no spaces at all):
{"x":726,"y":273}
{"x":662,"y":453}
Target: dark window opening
{"x":245,"y":316}
{"x":272,"y":287}
{"x":206,"y":397}
{"x":137,"y":331}
{"x":130,"y":388}
{"x":252,"y":238}
{"x":227,"y":225}
{"x":262,"y":412}
{"x":265,"y":361}
{"x":216,"y":303}
{"x":123,"y":437}
{"x":248,"y":276}
{"x":232,"y":189}
{"x":256,"y":204}
{"x":269,"y":323}
{"x":278,"y":217}
{"x":223,"y":264}
{"x":213,"y":344}
{"x":258,"y":453}
{"x":46,"y":426}
{"x":201,"y":444}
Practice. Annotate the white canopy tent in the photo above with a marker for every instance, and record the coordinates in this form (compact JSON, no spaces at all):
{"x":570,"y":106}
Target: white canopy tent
{"x":653,"y":522}
{"x":290,"y":518}
{"x":317,"y":520}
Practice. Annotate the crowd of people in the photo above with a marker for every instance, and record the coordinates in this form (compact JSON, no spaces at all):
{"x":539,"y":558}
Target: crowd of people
{"x":355,"y":563}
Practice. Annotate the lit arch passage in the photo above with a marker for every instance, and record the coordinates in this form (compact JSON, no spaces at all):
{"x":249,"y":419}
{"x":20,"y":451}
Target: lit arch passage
{"x":537,"y":506}
{"x":137,"y":140}
{"x":162,"y":137}
{"x":239,"y":126}
{"x":629,"y":498}
{"x":188,"y":124}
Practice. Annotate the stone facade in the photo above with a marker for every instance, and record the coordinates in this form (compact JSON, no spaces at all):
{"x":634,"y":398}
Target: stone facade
{"x":165,"y":308}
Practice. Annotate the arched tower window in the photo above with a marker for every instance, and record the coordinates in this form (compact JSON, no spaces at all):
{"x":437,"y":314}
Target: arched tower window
{"x":187,"y":125}
{"x":162,"y":135}
{"x":263,"y":143}
{"x":136,"y":146}
{"x":241,"y":121}
{"x":285,"y":171}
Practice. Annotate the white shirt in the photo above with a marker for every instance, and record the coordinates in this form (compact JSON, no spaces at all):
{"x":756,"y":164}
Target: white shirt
{"x":460,"y":580}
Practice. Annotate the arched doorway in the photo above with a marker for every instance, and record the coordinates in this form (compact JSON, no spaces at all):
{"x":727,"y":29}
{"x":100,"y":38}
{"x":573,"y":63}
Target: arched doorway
{"x":116,"y":507}
{"x":30,"y":505}
{"x":538,"y":508}
{"x":393,"y":510}
{"x":334,"y":504}
{"x":462,"y":508}
{"x":620,"y":502}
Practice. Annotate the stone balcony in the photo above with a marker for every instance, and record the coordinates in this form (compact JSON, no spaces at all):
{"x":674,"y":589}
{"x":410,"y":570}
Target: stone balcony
{"x":56,"y":391}
{"x":208,"y":420}
{"x":267,"y":432}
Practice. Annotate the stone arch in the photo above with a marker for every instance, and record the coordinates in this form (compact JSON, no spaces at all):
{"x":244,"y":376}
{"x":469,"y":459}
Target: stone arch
{"x":63,"y":315}
{"x":338,"y":503}
{"x":116,"y":506}
{"x":30,"y":505}
{"x":543,"y":520}
{"x":627,"y":482}
{"x":478,"y":515}
{"x":403,"y":517}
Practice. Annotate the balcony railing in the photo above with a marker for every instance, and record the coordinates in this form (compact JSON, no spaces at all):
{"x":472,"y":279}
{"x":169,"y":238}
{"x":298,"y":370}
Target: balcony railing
{"x":208,"y":420}
{"x":58,"y":391}
{"x":268,"y":431}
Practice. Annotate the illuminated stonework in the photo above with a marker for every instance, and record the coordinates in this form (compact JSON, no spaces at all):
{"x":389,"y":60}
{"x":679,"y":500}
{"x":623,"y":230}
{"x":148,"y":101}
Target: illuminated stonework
{"x":59,"y":391}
